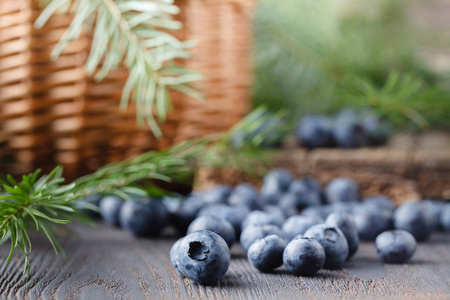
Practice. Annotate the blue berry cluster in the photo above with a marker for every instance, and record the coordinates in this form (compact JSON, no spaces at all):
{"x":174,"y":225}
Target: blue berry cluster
{"x":347,"y":129}
{"x":290,"y":222}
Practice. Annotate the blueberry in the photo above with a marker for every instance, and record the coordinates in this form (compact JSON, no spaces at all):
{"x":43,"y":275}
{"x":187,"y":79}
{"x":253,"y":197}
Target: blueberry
{"x":349,"y":134}
{"x":318,"y":211}
{"x":174,"y":252}
{"x":315,"y":131}
{"x":275,"y":183}
{"x":266,"y":254}
{"x":144,"y":216}
{"x":305,"y":193}
{"x":288,"y":204}
{"x":415,"y":218}
{"x":218,"y":194}
{"x":435,"y":207}
{"x":342,"y":190}
{"x":333,"y":242}
{"x":370,"y":221}
{"x":246,"y":194}
{"x":215,"y":224}
{"x":296,"y":225}
{"x":445,"y":218}
{"x":89,"y":205}
{"x":377,"y":130}
{"x":259,"y":217}
{"x":395,"y":246}
{"x":188,"y":211}
{"x":380,"y":201}
{"x":304,"y":256}
{"x":233,"y":214}
{"x":203,"y":256}
{"x":346,"y":224}
{"x":110,"y":209}
{"x":253,"y":233}
{"x":347,"y":207}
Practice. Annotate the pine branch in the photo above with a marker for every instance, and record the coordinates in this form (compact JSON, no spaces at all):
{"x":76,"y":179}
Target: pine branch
{"x":133,"y":33}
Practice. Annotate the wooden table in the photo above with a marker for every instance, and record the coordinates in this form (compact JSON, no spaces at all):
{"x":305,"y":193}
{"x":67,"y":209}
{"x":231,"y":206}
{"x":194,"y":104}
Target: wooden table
{"x":107,"y":263}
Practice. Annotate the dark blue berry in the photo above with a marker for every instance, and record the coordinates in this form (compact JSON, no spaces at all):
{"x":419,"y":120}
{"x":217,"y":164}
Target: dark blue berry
{"x":371,"y":221}
{"x":246,"y":194}
{"x":342,"y":190}
{"x":218,"y":194}
{"x":233,"y":214}
{"x":174,"y":252}
{"x":259,"y":217}
{"x":253,"y":233}
{"x":315,"y":131}
{"x":296,"y":225}
{"x":144,"y":216}
{"x":110,"y":209}
{"x":445,"y":218}
{"x":395,"y":246}
{"x":266,"y":254}
{"x":415,"y":218}
{"x":203,"y":256}
{"x":346,"y":224}
{"x":304,"y":256}
{"x":333,"y":242}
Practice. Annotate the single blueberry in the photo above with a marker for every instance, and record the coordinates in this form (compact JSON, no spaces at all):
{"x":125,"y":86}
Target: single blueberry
{"x":144,"y":216}
{"x":371,"y":221}
{"x":296,"y":225}
{"x":266,"y":254}
{"x":218,"y":194}
{"x":349,"y":134}
{"x":333,"y":242}
{"x":275,"y":183}
{"x":174,"y":252}
{"x":259,"y":217}
{"x":445,"y":218}
{"x":435,"y":207}
{"x":203,"y":256}
{"x":110,"y":209}
{"x":233,"y":214}
{"x":253,"y":233}
{"x":246,"y":194}
{"x":346,"y":224}
{"x":376,"y":129}
{"x":395,"y":246}
{"x":315,"y":131}
{"x":415,"y":218}
{"x":302,"y":193}
{"x":304,"y":256}
{"x":215,"y":224}
{"x":342,"y":190}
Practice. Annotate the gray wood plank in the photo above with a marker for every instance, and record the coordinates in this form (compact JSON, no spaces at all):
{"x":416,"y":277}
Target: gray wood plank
{"x":108,"y":263}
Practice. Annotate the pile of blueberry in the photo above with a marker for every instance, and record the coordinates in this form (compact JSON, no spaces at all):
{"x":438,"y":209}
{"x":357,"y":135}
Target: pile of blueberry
{"x":290,"y":222}
{"x":347,"y":129}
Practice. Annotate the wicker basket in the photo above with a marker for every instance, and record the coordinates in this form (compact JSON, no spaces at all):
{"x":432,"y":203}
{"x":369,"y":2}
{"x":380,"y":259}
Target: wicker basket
{"x":52,"y":113}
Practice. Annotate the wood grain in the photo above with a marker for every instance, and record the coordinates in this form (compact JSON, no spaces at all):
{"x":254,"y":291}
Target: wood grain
{"x":108,"y":263}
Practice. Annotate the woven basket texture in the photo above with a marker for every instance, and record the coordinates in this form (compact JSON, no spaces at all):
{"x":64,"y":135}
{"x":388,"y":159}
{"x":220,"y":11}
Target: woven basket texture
{"x":52,"y":113}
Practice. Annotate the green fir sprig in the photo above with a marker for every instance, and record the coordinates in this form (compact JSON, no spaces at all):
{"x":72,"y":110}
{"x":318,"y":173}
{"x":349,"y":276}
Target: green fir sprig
{"x":135,"y":34}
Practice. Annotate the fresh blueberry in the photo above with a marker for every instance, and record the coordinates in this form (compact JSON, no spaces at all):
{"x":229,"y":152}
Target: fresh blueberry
{"x":380,"y":201}
{"x":315,"y":131}
{"x":253,"y":233}
{"x":174,"y":252}
{"x":246,"y":194}
{"x":346,"y":224}
{"x":188,"y":211}
{"x":342,"y":190}
{"x":371,"y":221}
{"x":435,"y":207}
{"x":304,"y":256}
{"x":233,"y":214}
{"x":275,"y":183}
{"x":288,"y":204}
{"x":445,"y":218}
{"x":110,"y":209}
{"x":215,"y":224}
{"x":203,"y":256}
{"x":296,"y":225}
{"x":395,"y":246}
{"x":144,"y":216}
{"x":266,"y":254}
{"x":415,"y":218}
{"x":259,"y":217}
{"x":218,"y":194}
{"x":376,"y":129}
{"x":305,"y":194}
{"x":349,"y":134}
{"x":333,"y":242}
